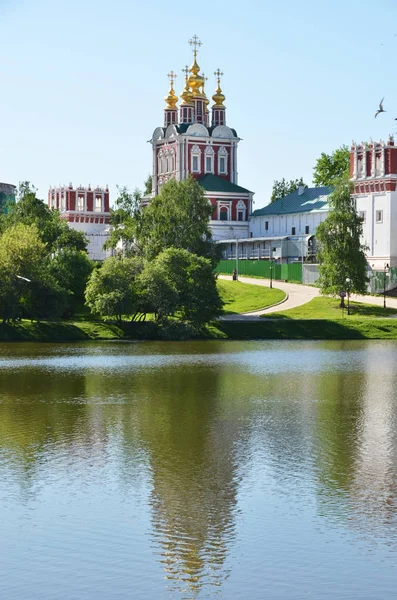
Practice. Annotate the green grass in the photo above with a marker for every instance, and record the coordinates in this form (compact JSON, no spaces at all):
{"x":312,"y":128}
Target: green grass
{"x":328,"y":308}
{"x":245,"y":297}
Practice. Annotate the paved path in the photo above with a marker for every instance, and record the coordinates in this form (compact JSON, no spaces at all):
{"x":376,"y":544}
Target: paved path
{"x":298,"y":294}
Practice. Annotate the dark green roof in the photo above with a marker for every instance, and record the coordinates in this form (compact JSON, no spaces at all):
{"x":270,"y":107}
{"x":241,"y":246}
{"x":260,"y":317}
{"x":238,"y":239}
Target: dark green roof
{"x":212,"y":183}
{"x":311,"y":199}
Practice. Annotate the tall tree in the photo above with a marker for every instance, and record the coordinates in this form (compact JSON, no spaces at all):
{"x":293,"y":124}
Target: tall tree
{"x":282,"y":188}
{"x":53,"y":230}
{"x":342,"y":262}
{"x":331,"y":167}
{"x":178,"y":217}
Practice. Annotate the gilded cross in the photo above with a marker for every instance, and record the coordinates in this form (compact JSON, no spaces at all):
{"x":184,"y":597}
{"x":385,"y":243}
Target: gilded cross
{"x":195,"y":42}
{"x":171,"y":76}
{"x":186,"y":71}
{"x":218,"y":74}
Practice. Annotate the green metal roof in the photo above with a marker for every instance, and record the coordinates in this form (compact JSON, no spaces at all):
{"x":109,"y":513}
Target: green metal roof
{"x":312,"y":199}
{"x":212,"y":183}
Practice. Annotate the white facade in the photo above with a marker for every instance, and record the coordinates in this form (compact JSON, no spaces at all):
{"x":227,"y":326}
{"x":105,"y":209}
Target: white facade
{"x":287,"y":224}
{"x":97,"y":235}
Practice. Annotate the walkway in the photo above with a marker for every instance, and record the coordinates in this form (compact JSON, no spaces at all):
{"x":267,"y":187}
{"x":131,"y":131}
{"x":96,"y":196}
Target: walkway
{"x":298,"y":294}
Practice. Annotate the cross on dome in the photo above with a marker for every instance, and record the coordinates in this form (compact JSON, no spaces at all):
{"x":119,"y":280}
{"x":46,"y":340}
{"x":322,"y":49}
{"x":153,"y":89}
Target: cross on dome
{"x":171,"y":76}
{"x":218,"y":74}
{"x":195,"y":42}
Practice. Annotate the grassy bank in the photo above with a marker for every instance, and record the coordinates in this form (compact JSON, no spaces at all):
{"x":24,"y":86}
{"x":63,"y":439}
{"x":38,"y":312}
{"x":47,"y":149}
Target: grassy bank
{"x":245,"y":297}
{"x":328,"y":309}
{"x":275,"y":329}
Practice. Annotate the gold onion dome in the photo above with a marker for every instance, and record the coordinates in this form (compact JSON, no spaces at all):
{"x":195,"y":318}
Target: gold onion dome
{"x":218,"y":97}
{"x":172,"y":98}
{"x":196,"y":81}
{"x":186,"y":95}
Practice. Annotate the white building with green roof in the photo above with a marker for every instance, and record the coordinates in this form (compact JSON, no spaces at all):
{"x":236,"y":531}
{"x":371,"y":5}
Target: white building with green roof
{"x":284,"y":230}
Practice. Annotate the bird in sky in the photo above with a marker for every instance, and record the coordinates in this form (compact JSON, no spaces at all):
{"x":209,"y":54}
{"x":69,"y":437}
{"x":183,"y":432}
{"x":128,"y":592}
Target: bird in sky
{"x":380,"y":109}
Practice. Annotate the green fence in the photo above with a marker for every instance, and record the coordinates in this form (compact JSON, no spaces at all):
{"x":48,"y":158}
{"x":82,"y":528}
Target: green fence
{"x":261,"y":268}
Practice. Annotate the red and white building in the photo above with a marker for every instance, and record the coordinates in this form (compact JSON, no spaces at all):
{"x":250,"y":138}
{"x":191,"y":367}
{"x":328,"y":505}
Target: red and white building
{"x":86,"y":209}
{"x":373,"y":170}
{"x":197,"y":141}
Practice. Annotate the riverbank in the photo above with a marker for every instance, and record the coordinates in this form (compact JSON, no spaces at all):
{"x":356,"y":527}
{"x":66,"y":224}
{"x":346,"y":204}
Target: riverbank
{"x":274,"y":329}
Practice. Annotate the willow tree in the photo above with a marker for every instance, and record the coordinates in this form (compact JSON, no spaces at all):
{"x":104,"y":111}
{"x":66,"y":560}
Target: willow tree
{"x":341,"y":253}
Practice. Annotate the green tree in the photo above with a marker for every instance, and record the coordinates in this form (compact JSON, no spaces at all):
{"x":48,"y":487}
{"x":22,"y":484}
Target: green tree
{"x":53,"y":230}
{"x":71,"y":269}
{"x":178,"y":217}
{"x":177,"y":281}
{"x":124,"y":220}
{"x":27,"y":287}
{"x":282,"y":188}
{"x":330,"y":168}
{"x":341,"y":254}
{"x":111,"y":290}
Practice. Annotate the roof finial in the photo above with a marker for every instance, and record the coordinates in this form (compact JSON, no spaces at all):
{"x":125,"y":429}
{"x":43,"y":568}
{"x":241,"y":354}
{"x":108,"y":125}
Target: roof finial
{"x":195,"y":42}
{"x":172,"y":98}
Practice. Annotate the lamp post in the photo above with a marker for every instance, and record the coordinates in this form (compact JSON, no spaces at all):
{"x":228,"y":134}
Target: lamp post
{"x":236,"y":258}
{"x":386,"y":274}
{"x":271,"y":266}
{"x":348,"y":280}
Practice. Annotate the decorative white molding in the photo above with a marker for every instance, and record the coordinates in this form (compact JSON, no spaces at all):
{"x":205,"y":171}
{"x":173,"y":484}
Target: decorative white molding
{"x":222,"y":131}
{"x":197,"y":130}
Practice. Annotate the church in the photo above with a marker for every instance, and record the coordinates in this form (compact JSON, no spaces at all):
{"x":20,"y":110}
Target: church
{"x":196,"y":140}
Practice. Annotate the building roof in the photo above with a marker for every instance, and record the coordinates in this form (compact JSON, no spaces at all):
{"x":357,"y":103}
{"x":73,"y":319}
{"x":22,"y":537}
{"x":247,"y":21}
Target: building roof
{"x":212,"y":183}
{"x":312,"y":199}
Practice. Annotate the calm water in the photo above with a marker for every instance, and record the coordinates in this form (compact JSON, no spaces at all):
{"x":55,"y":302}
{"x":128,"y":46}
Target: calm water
{"x":198,"y":470}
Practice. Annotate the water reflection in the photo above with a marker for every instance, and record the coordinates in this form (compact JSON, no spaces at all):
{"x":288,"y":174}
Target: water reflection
{"x":198,"y":433}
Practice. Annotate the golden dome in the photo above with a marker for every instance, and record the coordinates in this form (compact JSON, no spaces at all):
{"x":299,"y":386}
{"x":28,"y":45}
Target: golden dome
{"x":196,"y":80}
{"x":172,"y":98}
{"x":206,"y":100}
{"x":186,"y":95}
{"x":218,"y":97}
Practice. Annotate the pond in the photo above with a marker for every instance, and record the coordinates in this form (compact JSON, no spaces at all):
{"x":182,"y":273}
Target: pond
{"x":198,"y":470}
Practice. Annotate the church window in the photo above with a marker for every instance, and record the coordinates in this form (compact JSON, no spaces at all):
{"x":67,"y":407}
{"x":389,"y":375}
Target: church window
{"x":63,"y":206}
{"x":293,"y":231}
{"x":208,"y":164}
{"x":360,"y":167}
{"x":240,"y":215}
{"x":266,"y":225}
{"x":307,"y":229}
{"x":98,"y":203}
{"x":224,"y":213}
{"x":379,"y":216}
{"x":363,"y":215}
{"x":222,"y":160}
{"x":195,"y":159}
{"x":80,"y":203}
{"x":378,"y":165}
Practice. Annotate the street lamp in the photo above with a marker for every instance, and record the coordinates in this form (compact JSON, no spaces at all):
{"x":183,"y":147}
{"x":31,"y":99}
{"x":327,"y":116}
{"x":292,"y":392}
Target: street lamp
{"x":24,"y":278}
{"x":348,"y":280}
{"x":386,"y":274}
{"x":271,"y":266}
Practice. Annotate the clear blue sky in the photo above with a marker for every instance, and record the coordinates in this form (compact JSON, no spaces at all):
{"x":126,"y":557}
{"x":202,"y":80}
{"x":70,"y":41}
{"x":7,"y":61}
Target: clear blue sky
{"x":83,"y":82}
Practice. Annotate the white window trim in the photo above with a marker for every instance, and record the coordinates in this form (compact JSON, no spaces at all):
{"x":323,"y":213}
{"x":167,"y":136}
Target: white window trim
{"x":195,"y":152}
{"x":241,"y":207}
{"x":381,"y":216}
{"x":222,"y":153}
{"x":224,"y":205}
{"x":209,"y":153}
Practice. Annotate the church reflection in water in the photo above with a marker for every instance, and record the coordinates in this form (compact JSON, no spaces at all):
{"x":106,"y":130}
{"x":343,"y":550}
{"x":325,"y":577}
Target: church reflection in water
{"x":195,"y":430}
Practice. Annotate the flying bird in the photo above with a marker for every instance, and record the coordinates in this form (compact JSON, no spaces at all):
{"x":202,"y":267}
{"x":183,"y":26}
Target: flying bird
{"x":380,"y":110}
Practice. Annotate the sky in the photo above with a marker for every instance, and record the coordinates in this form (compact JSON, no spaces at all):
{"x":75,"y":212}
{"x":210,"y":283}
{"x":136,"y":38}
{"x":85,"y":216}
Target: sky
{"x":83,"y":83}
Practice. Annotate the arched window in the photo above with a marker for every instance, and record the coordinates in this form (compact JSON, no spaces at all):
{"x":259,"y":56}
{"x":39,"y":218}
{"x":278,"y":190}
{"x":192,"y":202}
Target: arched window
{"x":195,"y":159}
{"x":80,"y":203}
{"x":222,"y":160}
{"x":209,"y":160}
{"x":98,"y":203}
{"x":223,"y":212}
{"x":241,"y":211}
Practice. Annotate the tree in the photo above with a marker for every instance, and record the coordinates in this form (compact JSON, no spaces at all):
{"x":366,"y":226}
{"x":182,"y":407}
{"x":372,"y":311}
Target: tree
{"x":53,"y":230}
{"x":330,"y":168}
{"x":124,"y":219}
{"x":341,"y":254}
{"x":282,"y":188}
{"x":178,"y":217}
{"x":177,"y":281}
{"x":72,"y":268}
{"x":111,"y":290}
{"x":27,"y":287}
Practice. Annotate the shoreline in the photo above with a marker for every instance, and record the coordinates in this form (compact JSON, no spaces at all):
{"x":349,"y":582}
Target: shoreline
{"x":266,"y":329}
